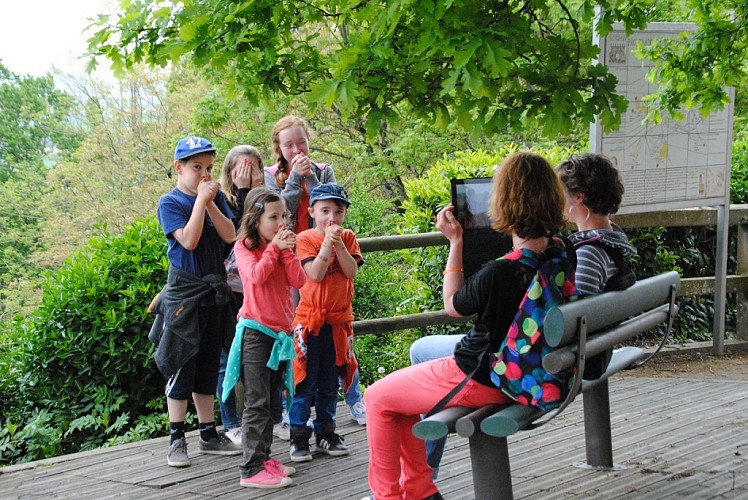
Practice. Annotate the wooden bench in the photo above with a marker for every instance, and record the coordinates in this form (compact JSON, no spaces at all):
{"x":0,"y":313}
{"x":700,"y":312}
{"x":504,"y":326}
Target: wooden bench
{"x":578,"y":330}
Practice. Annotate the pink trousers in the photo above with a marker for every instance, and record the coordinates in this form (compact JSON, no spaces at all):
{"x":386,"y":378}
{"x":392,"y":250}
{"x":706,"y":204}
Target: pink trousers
{"x":397,"y":459}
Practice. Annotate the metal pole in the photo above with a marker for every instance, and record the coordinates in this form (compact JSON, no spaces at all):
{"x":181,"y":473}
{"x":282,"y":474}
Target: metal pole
{"x":492,"y":476}
{"x":597,"y":433}
{"x":720,"y":279}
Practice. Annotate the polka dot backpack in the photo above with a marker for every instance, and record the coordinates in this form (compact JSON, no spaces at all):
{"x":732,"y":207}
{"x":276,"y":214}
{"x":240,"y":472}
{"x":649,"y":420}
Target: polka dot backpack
{"x":517,"y":367}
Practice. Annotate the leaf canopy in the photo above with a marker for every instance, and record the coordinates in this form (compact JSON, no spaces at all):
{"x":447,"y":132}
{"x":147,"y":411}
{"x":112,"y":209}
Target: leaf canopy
{"x":491,"y":66}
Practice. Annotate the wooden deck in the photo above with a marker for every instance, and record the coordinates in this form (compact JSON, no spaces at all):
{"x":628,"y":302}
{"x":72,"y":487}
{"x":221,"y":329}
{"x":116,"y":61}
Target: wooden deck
{"x":677,"y":438}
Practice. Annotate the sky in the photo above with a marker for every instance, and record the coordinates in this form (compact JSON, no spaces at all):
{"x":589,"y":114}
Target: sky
{"x":37,"y":35}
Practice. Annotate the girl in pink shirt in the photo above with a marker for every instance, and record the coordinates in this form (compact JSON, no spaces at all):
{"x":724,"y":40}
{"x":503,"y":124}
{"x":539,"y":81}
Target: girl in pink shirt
{"x":269,"y":269}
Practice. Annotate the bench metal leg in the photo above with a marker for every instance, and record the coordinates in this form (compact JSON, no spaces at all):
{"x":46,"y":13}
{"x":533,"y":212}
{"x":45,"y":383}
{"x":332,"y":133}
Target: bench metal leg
{"x":597,"y":433}
{"x":492,"y":476}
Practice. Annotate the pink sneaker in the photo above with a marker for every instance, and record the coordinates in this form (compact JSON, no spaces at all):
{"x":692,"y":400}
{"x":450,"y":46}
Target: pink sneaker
{"x":267,"y":478}
{"x":284,"y":470}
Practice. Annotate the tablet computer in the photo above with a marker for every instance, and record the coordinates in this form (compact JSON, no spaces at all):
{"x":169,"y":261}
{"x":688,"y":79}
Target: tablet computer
{"x":471,"y":199}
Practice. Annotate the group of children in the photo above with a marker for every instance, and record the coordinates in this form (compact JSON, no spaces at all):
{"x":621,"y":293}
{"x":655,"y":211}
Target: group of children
{"x":293,"y":330}
{"x":296,"y":266}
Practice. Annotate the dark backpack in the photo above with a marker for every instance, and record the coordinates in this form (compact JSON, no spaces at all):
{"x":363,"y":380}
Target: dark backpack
{"x":625,"y":277}
{"x":596,"y":365}
{"x":517,"y":367}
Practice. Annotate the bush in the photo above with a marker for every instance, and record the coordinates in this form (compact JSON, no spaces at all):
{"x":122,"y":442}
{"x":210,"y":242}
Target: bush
{"x":426,"y":196}
{"x":378,"y":291}
{"x":739,"y":174}
{"x":379,"y":355}
{"x":84,"y":361}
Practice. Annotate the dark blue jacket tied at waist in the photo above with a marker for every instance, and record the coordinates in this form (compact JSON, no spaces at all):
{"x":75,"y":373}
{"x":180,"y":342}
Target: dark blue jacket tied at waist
{"x":176,"y":330}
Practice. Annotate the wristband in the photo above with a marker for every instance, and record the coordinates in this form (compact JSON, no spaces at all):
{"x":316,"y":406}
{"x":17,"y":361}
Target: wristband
{"x":453,"y":270}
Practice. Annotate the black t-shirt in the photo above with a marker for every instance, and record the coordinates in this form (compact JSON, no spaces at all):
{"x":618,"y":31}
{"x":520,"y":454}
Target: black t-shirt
{"x":494,"y":293}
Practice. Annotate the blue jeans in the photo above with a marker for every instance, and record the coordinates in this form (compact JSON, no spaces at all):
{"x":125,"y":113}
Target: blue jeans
{"x":426,"y":349}
{"x":320,"y":384}
{"x":353,"y":395}
{"x":230,"y":415}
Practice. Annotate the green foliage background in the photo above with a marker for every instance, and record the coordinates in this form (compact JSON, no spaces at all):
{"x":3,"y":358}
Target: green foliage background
{"x":80,"y":366}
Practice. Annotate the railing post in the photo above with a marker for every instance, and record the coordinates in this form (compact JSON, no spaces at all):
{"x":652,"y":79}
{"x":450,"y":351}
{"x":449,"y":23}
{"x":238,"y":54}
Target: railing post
{"x":741,"y":323}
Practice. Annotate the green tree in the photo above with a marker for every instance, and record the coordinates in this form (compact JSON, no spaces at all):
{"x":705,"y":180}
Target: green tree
{"x":694,"y":69}
{"x":490,"y":66}
{"x":83,"y":357}
{"x":36,"y":129}
{"x":35,"y":121}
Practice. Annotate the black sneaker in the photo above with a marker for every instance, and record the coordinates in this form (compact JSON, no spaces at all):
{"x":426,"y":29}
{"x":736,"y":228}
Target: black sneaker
{"x":332,"y":444}
{"x":300,"y":450}
{"x":220,"y":445}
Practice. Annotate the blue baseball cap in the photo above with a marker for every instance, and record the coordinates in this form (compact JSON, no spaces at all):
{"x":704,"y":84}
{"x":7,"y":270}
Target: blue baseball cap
{"x":191,"y":146}
{"x":329,"y":192}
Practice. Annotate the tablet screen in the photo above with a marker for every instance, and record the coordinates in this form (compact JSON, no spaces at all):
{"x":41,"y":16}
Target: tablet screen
{"x":470,"y":198}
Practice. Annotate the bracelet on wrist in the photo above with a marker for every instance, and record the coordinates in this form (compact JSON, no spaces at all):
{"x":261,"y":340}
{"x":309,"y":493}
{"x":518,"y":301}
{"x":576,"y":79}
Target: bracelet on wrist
{"x":453,"y":270}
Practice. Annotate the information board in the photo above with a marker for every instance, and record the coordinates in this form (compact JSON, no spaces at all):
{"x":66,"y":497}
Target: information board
{"x":676,"y":163}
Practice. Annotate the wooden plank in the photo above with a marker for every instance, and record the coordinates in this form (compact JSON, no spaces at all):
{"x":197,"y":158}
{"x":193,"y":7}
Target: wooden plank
{"x":678,"y":437}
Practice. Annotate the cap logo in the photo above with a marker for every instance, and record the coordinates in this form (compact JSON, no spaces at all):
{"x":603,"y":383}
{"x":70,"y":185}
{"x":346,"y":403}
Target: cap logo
{"x":193,"y":142}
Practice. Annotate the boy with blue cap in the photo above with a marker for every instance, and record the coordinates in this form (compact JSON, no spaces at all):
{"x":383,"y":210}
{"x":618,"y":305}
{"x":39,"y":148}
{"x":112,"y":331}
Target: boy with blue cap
{"x":323,"y":331}
{"x":196,"y":314}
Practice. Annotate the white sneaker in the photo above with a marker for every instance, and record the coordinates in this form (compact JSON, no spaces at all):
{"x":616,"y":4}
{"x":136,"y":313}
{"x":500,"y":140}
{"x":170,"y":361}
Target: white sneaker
{"x":358,"y":412}
{"x":282,"y":431}
{"x":235,"y":435}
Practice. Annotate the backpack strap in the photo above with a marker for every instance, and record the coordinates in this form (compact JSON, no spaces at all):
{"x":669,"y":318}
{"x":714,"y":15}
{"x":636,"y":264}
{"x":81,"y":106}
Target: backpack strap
{"x":456,"y":389}
{"x":624,"y":277}
{"x":515,"y":255}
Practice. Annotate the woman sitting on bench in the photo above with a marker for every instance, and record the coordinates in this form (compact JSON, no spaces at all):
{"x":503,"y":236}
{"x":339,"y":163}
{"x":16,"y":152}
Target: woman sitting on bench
{"x":593,"y":191}
{"x":527,"y":201}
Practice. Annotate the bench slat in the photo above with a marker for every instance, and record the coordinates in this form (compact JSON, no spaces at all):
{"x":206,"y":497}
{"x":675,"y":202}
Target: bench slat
{"x":607,"y":308}
{"x":621,"y":360}
{"x":439,"y":425}
{"x":510,"y":420}
{"x":467,"y":425}
{"x":566,"y":357}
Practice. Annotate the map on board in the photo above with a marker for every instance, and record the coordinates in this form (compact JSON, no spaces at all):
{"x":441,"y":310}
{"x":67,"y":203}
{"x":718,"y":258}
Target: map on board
{"x":676,"y":163}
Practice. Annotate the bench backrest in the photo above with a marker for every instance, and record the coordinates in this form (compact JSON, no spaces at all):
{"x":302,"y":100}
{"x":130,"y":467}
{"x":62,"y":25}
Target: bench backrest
{"x":608,"y":308}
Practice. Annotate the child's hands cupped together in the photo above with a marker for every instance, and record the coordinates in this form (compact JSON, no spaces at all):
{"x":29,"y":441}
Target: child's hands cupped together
{"x":207,"y":190}
{"x":333,"y":233}
{"x":285,"y":239}
{"x":301,"y":164}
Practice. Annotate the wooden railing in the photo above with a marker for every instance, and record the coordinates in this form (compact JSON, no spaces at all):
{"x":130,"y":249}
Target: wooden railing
{"x":690,"y":287}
